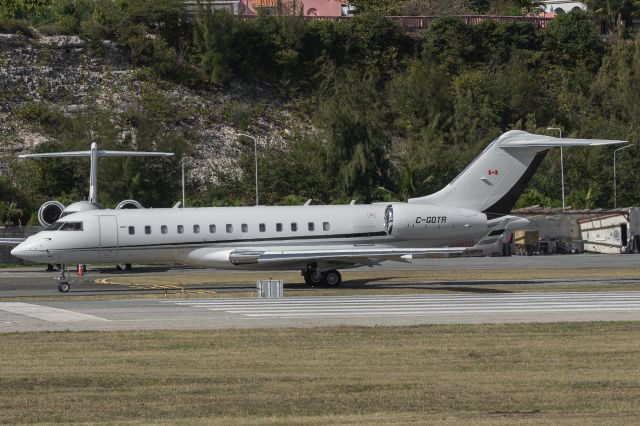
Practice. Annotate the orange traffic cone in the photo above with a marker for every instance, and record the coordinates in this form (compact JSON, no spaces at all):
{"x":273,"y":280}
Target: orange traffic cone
{"x":80,"y":270}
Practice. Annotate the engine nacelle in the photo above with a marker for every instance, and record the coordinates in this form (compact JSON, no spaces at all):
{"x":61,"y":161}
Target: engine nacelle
{"x":433,"y":223}
{"x":128,"y":204}
{"x":49,"y":212}
{"x":79,"y":206}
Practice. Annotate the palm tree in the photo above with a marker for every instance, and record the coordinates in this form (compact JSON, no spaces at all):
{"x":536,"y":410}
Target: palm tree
{"x":614,"y":12}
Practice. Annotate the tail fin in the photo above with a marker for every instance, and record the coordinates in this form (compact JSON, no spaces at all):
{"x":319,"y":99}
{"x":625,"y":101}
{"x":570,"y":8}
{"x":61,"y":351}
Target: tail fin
{"x":493,"y":181}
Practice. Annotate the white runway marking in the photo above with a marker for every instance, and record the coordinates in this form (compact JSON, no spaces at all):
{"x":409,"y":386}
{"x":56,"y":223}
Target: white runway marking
{"x":47,"y":313}
{"x":422,"y":305}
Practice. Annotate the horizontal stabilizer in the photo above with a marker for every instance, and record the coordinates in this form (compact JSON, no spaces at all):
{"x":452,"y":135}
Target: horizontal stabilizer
{"x":542,"y":141}
{"x":99,"y":154}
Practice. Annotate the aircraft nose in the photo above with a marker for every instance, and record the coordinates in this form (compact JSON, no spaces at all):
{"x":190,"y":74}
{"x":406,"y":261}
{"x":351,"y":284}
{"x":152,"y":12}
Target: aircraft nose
{"x":28,"y":250}
{"x":17,"y":251}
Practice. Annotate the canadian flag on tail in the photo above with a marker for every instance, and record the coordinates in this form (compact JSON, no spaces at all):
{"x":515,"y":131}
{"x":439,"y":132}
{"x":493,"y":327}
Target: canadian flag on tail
{"x":492,"y":172}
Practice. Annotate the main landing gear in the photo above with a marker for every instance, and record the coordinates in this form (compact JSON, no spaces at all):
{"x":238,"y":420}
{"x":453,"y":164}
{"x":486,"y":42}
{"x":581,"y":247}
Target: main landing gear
{"x":63,"y":279}
{"x":315,"y":278}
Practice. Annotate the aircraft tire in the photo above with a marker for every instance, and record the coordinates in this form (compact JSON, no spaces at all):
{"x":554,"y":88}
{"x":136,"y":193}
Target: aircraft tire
{"x":63,"y":287}
{"x":332,"y":278}
{"x":313,"y":278}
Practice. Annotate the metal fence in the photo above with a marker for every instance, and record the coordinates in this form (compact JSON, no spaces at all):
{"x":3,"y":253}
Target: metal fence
{"x":14,"y":232}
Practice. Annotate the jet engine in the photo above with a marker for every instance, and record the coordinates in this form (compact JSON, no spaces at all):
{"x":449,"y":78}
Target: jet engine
{"x":430,"y":222}
{"x":128,"y":204}
{"x":49,"y":212}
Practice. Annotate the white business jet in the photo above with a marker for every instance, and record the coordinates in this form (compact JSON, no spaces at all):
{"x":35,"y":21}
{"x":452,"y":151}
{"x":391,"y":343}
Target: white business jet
{"x":318,"y":240}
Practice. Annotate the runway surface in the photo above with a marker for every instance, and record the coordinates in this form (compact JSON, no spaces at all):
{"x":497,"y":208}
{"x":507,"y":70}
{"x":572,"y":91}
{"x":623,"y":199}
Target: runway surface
{"x":35,"y":282}
{"x":317,"y":311}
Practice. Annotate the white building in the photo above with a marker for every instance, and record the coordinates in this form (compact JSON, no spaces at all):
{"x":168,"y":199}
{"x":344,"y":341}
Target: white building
{"x":611,"y":233}
{"x":559,"y":6}
{"x":594,"y":231}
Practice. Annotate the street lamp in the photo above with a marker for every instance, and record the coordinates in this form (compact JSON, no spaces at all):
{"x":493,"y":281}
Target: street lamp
{"x":182,"y":164}
{"x":255,"y":156}
{"x":614,"y":173}
{"x":561,"y":163}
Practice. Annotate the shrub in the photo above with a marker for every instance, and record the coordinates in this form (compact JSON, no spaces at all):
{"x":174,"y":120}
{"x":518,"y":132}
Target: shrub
{"x":17,"y":26}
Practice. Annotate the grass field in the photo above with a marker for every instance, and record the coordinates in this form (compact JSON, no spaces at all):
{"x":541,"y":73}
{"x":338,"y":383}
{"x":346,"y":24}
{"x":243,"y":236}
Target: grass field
{"x":577,"y":373}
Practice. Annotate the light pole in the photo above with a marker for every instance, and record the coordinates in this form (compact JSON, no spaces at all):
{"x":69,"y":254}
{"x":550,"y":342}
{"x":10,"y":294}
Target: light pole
{"x":615,"y":204}
{"x":255,"y":156}
{"x":182,"y":164}
{"x":561,"y":163}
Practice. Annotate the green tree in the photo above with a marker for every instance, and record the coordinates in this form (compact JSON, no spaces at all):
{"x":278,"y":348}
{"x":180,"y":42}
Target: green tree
{"x":571,"y":40}
{"x":354,"y":122}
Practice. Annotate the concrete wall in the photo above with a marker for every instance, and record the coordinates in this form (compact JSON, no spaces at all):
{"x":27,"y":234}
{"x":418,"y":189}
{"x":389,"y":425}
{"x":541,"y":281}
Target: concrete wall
{"x":558,"y":227}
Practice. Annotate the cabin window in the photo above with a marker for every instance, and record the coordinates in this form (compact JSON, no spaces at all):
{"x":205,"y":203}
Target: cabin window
{"x":180,"y":229}
{"x":245,"y":227}
{"x":279,"y":227}
{"x":326,"y":226}
{"x":311,"y":226}
{"x":212,"y":229}
{"x":294,"y":226}
{"x":71,"y":226}
{"x":262,"y":227}
{"x":147,"y":229}
{"x":132,"y":230}
{"x":196,"y":229}
{"x":229,"y":228}
{"x":164,"y":229}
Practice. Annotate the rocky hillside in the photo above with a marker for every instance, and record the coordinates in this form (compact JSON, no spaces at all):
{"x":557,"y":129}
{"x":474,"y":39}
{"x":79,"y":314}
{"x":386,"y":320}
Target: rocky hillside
{"x":72,"y":77}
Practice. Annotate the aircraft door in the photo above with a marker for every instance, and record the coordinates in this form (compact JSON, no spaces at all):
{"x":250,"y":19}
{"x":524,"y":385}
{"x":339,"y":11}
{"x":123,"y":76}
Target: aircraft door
{"x":108,"y":236}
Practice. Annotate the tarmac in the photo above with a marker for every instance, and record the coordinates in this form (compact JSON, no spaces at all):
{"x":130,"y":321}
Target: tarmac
{"x":26,"y":303}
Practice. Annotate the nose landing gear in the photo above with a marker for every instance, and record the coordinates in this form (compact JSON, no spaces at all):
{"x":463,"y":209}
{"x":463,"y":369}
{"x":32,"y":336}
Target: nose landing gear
{"x":63,"y":279}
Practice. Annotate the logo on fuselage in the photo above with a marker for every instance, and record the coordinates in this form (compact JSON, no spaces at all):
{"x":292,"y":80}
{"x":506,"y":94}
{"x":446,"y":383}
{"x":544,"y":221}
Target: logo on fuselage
{"x":431,"y":219}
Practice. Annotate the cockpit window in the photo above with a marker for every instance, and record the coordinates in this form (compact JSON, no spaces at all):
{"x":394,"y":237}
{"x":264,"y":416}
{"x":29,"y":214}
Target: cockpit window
{"x":71,"y":226}
{"x":54,"y":226}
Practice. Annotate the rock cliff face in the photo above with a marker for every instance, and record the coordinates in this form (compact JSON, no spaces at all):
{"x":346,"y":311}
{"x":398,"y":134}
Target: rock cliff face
{"x":69,"y":75}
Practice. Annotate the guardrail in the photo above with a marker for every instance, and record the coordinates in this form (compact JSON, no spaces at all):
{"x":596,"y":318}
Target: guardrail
{"x":420,"y":23}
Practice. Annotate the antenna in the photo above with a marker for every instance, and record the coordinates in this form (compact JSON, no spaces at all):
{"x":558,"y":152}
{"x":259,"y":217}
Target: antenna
{"x":94,"y":154}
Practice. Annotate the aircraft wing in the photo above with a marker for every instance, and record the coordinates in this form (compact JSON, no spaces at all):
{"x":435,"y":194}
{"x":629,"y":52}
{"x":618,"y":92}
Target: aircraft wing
{"x":11,"y":241}
{"x":351,"y":256}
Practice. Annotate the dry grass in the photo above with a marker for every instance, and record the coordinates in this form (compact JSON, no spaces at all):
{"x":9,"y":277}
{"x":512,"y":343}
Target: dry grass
{"x":579,"y":373}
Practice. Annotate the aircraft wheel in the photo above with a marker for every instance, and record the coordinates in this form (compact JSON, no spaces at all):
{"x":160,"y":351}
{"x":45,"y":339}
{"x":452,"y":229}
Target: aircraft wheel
{"x":63,"y":287}
{"x":313,"y":278}
{"x":332,"y":278}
